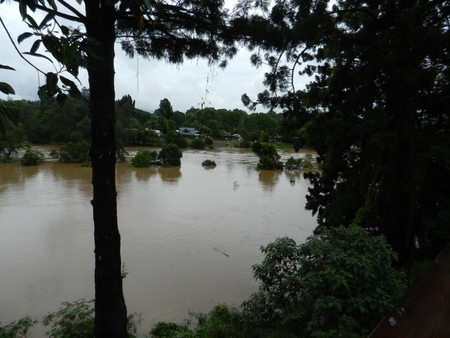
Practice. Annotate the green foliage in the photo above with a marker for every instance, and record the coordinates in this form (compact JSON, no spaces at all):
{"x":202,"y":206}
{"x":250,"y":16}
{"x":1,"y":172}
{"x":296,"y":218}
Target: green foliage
{"x":198,"y":143}
{"x":11,"y":140}
{"x":269,"y":159}
{"x":17,"y":329}
{"x":72,"y":320}
{"x":220,"y":322}
{"x":340,"y":279}
{"x":144,"y":158}
{"x":73,"y":152}
{"x":299,"y":163}
{"x":209,"y":163}
{"x":165,"y":109}
{"x":209,"y":142}
{"x":32,"y":158}
{"x":174,"y":137}
{"x":170,"y":155}
{"x":76,"y":320}
{"x":368,"y":110}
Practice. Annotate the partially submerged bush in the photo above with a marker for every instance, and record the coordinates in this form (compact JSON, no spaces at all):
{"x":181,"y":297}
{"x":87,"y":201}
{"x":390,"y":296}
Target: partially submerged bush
{"x":198,"y":144}
{"x":170,"y":155}
{"x":32,"y":158}
{"x":73,"y":152}
{"x":269,"y":159}
{"x":208,"y":142}
{"x":209,"y":163}
{"x":299,"y":163}
{"x":144,"y":158}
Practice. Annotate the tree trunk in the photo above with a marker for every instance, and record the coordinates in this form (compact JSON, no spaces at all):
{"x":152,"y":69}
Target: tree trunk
{"x":110,"y":308}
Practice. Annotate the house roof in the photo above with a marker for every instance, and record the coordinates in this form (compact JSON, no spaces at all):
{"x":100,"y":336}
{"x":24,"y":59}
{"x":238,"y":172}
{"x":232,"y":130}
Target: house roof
{"x":425,"y":310}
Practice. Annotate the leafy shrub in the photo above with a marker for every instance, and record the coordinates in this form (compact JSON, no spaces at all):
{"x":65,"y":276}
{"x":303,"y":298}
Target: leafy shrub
{"x":32,"y":158}
{"x":300,"y":163}
{"x":245,"y":144}
{"x":87,"y":164}
{"x":170,"y":155}
{"x":209,"y":163}
{"x":340,"y":280}
{"x":209,"y":142}
{"x":269,"y":159}
{"x":169,"y":330}
{"x":220,"y":322}
{"x":73,"y":152}
{"x":144,"y":158}
{"x":17,"y":329}
{"x":76,"y":320}
{"x":174,"y":137}
{"x":197,"y":144}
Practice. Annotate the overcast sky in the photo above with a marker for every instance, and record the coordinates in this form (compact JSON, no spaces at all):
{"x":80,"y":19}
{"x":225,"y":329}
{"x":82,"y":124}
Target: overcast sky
{"x":147,"y":81}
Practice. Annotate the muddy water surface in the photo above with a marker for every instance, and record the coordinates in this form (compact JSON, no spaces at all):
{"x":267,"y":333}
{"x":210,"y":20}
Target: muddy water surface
{"x":189,"y":235}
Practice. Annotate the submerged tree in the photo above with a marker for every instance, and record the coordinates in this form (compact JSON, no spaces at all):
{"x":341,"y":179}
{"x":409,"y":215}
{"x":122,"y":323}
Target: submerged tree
{"x":379,"y":87}
{"x":170,"y":30}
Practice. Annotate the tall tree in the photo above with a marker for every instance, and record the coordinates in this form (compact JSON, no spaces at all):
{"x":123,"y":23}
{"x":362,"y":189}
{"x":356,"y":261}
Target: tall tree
{"x":379,"y":80}
{"x":165,"y":109}
{"x":170,"y":30}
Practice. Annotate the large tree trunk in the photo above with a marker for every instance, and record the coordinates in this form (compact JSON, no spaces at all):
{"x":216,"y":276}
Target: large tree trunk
{"x":110,"y":308}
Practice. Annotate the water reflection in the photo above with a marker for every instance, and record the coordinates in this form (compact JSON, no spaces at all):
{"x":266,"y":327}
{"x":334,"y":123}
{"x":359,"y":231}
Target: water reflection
{"x":170,"y":175}
{"x":293,"y":176}
{"x":144,"y":174}
{"x":269,"y":178}
{"x":14,"y":174}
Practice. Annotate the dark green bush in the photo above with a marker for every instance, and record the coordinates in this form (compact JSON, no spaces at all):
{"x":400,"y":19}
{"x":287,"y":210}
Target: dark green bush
{"x":300,"y":163}
{"x":174,"y":137}
{"x":209,"y":163}
{"x":209,"y":142}
{"x":339,"y":283}
{"x":269,"y":159}
{"x":144,"y":158}
{"x":76,"y":320}
{"x":17,"y":329}
{"x":198,"y":144}
{"x":32,"y":158}
{"x":220,"y":322}
{"x":73,"y":152}
{"x":170,"y":155}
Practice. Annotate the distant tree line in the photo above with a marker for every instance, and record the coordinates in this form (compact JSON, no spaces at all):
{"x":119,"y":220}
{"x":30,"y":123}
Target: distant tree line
{"x":71,"y":123}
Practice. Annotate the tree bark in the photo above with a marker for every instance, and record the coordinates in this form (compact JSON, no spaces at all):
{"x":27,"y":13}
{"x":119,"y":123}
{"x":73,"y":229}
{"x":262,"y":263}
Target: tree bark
{"x":110,"y":308}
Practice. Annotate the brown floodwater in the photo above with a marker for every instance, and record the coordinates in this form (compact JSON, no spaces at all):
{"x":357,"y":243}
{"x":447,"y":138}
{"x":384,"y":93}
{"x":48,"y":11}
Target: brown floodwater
{"x":189,"y":235}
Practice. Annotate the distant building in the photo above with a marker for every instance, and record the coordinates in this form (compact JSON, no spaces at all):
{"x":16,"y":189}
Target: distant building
{"x":186,"y":131}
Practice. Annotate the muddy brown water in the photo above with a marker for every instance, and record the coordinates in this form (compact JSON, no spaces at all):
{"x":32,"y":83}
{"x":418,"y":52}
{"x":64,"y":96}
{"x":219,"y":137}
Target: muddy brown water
{"x":189,"y":235}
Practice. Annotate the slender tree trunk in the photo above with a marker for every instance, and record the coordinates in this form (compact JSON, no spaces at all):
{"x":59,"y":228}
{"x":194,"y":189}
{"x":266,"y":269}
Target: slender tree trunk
{"x":110,"y":308}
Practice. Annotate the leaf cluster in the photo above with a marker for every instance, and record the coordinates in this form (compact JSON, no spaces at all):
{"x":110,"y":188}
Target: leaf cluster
{"x":269,"y":159}
{"x":337,"y":275}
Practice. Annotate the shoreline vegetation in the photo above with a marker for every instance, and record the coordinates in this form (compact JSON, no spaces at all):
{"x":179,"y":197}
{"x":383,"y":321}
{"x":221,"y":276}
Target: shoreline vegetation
{"x":293,"y":300}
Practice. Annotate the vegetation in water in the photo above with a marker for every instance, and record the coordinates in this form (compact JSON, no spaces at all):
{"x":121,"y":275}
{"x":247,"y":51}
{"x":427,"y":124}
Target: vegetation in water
{"x":198,"y":143}
{"x":72,"y":152}
{"x":144,"y":158}
{"x":269,"y":159}
{"x":299,"y":163}
{"x":209,"y":163}
{"x":170,"y":155}
{"x":32,"y":158}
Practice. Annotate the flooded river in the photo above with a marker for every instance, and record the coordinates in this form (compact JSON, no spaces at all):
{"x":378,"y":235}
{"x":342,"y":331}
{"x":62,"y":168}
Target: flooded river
{"x":189,"y":235}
